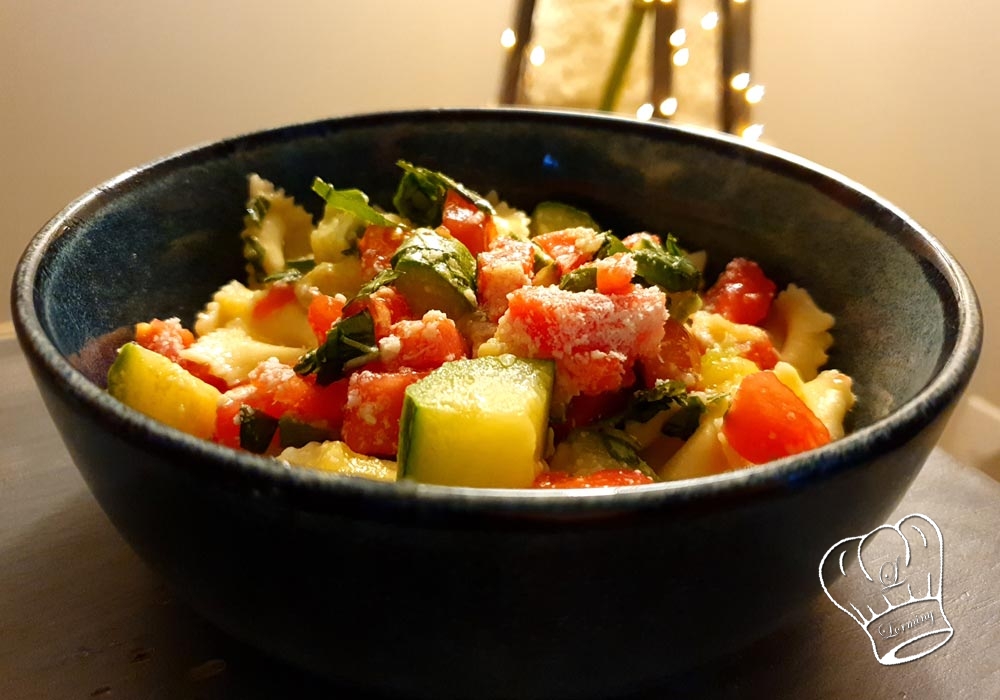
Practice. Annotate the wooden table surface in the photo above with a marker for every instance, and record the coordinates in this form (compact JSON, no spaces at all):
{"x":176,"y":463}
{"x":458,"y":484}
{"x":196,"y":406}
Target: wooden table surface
{"x":82,"y":617}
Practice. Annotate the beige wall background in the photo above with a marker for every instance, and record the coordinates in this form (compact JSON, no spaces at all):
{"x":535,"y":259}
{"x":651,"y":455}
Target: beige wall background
{"x":900,"y":95}
{"x":90,"y":89}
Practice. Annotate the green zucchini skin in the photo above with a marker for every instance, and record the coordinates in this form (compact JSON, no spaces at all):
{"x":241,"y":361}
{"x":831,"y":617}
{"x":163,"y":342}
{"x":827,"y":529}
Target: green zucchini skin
{"x":551,"y":216}
{"x":480,"y":422}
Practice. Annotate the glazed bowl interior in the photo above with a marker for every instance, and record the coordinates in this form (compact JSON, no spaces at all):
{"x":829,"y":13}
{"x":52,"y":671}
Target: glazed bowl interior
{"x":159,"y":240}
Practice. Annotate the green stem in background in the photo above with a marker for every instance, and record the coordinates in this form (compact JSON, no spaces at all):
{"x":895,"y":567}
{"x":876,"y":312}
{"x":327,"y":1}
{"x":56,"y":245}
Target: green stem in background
{"x":626,"y":47}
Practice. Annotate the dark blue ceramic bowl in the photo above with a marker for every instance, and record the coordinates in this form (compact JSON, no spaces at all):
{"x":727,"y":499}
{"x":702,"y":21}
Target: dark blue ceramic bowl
{"x":448,"y":592}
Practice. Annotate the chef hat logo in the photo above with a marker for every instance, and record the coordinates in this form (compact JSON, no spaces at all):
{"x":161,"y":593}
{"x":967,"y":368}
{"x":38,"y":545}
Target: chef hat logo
{"x":889,"y":582}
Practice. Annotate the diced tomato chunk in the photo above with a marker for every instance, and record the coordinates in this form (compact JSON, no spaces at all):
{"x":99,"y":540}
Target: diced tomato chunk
{"x":278,"y":390}
{"x":228,"y":417}
{"x":570,"y":248}
{"x":324,"y":311}
{"x":374,"y":405}
{"x":767,"y":421}
{"x":167,"y":337}
{"x":599,"y":479}
{"x":615,"y":273}
{"x":506,"y":266}
{"x":467,"y":222}
{"x":227,"y":423}
{"x":594,"y":338}
{"x":742,"y":294}
{"x":678,"y":357}
{"x":322,"y":404}
{"x":387,"y":306}
{"x":277,"y":296}
{"x":426,"y":343}
{"x":762,"y":353}
{"x":377,"y":245}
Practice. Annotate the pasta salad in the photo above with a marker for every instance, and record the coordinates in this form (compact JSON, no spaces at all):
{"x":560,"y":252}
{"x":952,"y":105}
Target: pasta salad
{"x":455,"y":339}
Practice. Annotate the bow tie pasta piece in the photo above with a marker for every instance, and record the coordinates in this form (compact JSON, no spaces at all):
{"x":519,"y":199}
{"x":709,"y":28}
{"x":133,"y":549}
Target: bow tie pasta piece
{"x":800,"y":331}
{"x":230,"y":354}
{"x":276,"y":230}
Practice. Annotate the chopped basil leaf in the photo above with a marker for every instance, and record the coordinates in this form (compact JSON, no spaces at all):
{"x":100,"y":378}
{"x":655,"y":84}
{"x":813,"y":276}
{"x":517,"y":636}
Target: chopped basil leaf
{"x":610,"y":245}
{"x":352,"y":201}
{"x":256,"y":429}
{"x":646,"y":403}
{"x":680,"y":305}
{"x":384,"y":278}
{"x":286,"y":275}
{"x":579,"y":280}
{"x":542,"y":259}
{"x":304,"y":265}
{"x":667,"y":267}
{"x":622,"y":447}
{"x":257,"y":209}
{"x":590,"y":450}
{"x":683,"y":422}
{"x":293,"y":271}
{"x":296,"y":433}
{"x":253,"y":253}
{"x":421,"y":193}
{"x":348,"y":345}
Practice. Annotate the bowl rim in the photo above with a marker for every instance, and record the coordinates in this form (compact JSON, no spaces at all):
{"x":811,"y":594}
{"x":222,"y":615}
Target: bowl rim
{"x":314,"y":490}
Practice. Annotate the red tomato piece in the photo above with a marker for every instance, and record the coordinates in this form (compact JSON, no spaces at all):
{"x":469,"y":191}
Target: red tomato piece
{"x":228,"y":418}
{"x":422,"y":344}
{"x":615,"y":273}
{"x":507,"y":266}
{"x":767,"y":421}
{"x":387,"y":306}
{"x":322,"y":405}
{"x":324,"y":311}
{"x":374,"y":405}
{"x":570,"y":248}
{"x":468,"y":223}
{"x":276,"y":297}
{"x":599,"y":479}
{"x":762,"y":353}
{"x":167,"y":337}
{"x":278,"y":390}
{"x":594,"y":338}
{"x":678,"y":357}
{"x":742,"y":294}
{"x":227,"y":423}
{"x":377,"y":245}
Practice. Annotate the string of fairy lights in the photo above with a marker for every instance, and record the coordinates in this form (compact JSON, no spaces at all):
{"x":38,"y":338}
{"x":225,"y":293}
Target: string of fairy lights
{"x":677,"y":40}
